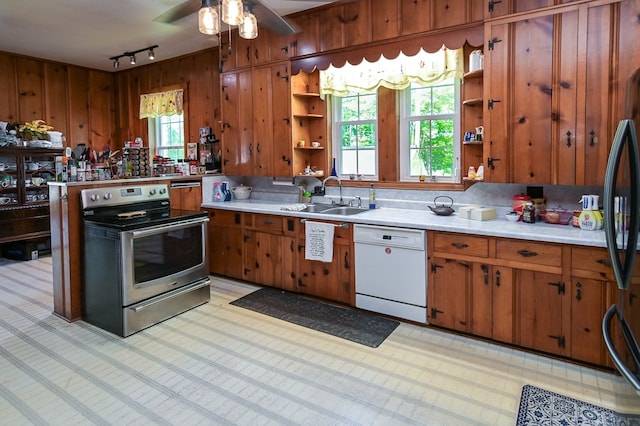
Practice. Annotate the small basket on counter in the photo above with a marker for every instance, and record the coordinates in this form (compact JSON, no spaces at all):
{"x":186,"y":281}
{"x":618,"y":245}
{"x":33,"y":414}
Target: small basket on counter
{"x":556,"y":216}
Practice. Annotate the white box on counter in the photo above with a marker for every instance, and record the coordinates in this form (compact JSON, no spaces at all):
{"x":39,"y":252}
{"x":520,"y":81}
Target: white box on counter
{"x":477,"y":213}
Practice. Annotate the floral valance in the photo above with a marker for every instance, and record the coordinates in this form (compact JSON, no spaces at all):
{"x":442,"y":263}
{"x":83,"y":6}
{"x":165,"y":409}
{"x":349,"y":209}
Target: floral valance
{"x":366,"y":77}
{"x":153,"y":105}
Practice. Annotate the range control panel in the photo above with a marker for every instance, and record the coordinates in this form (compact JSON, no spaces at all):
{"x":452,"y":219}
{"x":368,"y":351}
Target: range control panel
{"x":123,"y":195}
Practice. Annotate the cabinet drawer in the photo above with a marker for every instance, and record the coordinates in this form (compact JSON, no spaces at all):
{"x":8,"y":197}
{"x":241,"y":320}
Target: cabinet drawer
{"x":524,"y":251}
{"x":461,"y":244}
{"x":264,"y":222}
{"x":343,"y":234}
{"x":225,"y":218}
{"x":595,"y":259}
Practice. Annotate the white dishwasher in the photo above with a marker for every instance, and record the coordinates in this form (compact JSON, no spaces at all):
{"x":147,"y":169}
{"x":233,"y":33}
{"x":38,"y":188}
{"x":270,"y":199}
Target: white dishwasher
{"x":391,"y":271}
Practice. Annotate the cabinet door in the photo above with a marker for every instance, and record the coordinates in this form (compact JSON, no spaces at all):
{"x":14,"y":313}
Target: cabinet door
{"x":281,"y":113}
{"x":237,"y":135}
{"x":186,"y":198}
{"x":263,"y":258}
{"x":491,"y":302}
{"x":262,"y":122}
{"x":225,"y":243}
{"x":447,"y":301}
{"x":588,"y":305}
{"x":540,"y":303}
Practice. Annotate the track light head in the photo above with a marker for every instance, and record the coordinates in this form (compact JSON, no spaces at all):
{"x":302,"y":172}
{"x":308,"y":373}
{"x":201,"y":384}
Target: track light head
{"x":132,"y":59}
{"x":116,"y":63}
{"x":152,"y":55}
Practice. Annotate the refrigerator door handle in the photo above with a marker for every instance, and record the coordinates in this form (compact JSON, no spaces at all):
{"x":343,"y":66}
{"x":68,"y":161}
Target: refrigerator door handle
{"x":615,"y":356}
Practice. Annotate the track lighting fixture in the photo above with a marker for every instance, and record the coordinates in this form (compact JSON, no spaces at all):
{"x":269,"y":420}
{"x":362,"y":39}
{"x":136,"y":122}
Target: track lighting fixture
{"x":132,"y":56}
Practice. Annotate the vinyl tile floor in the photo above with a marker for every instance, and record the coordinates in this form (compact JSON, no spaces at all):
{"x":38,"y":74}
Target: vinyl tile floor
{"x":222,"y":365}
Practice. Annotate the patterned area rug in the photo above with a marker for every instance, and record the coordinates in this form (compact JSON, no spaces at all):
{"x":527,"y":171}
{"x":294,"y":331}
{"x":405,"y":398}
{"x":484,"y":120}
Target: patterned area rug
{"x":541,"y":407}
{"x":359,"y":327}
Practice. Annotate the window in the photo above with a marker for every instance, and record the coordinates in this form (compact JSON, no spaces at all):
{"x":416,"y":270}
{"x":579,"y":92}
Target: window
{"x":429,"y":131}
{"x":167,"y":136}
{"x":355,"y":127}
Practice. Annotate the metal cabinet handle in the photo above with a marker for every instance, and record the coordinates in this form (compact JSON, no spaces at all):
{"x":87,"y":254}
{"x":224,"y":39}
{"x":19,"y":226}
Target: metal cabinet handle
{"x":592,"y":134}
{"x":497,"y":278}
{"x":605,"y":262}
{"x":568,"y":138}
{"x":561,"y":340}
{"x":578,"y":291}
{"x":485,"y":271}
{"x":527,"y":253}
{"x":460,"y":245}
{"x":560,"y":285}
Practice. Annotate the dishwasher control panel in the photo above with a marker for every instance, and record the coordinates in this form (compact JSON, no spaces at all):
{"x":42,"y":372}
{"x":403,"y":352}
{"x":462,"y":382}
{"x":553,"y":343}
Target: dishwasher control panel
{"x":396,"y":237}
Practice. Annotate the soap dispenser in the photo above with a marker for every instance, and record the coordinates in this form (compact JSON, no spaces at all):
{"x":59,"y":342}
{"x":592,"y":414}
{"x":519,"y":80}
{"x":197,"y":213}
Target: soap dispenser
{"x":372,"y":197}
{"x":587,"y":220}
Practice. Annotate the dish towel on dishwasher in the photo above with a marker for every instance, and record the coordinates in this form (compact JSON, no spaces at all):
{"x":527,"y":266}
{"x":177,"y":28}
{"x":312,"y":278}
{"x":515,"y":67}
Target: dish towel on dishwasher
{"x":319,"y":241}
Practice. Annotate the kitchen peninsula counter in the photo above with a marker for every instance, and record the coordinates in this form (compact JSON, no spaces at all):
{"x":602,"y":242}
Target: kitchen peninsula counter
{"x":67,"y":250}
{"x":423,"y":219}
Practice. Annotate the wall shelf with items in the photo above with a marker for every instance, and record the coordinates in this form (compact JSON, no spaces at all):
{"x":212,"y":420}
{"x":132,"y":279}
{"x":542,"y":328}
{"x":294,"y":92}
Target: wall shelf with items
{"x":471,"y":118}
{"x":309,"y":125}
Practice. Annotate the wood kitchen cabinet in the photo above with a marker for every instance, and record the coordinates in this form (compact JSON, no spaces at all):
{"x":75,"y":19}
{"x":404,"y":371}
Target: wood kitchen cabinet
{"x":225,"y":243}
{"x":335,"y":280}
{"x":186,"y":195}
{"x":257,"y":122}
{"x":448,"y":293}
{"x":492,"y":302}
{"x":548,"y":92}
{"x":263,"y":249}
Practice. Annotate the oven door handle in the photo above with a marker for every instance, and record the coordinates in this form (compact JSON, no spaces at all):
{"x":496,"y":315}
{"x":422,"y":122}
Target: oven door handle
{"x":173,"y":226}
{"x":194,"y":286}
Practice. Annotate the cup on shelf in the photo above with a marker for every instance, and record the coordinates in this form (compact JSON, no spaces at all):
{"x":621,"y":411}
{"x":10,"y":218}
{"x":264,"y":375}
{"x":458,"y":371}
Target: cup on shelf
{"x":301,"y":144}
{"x":315,"y":144}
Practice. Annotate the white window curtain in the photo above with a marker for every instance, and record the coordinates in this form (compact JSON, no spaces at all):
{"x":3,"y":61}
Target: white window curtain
{"x":424,"y":68}
{"x":154,"y":105}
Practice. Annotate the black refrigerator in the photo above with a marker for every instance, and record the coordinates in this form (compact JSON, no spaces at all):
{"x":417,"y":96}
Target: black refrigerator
{"x":621,"y":322}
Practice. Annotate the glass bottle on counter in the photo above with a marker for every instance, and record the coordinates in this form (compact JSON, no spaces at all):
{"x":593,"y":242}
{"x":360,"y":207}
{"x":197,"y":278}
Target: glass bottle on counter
{"x":529,"y":213}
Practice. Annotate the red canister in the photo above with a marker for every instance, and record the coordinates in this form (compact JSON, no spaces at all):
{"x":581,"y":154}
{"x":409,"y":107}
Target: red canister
{"x":519,"y":202}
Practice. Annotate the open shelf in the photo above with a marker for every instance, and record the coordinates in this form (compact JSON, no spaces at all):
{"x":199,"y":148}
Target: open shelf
{"x":472,"y":102}
{"x":473,"y":74}
{"x":308,"y":115}
{"x":306,"y":95}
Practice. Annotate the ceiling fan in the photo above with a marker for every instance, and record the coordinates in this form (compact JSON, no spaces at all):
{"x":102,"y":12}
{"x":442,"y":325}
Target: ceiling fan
{"x":264,"y":14}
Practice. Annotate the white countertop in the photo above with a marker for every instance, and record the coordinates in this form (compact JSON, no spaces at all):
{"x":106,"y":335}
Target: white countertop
{"x":419,"y":219}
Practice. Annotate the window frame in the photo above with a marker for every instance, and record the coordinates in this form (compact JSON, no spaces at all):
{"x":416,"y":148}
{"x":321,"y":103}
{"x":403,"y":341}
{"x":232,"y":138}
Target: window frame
{"x":404,"y":99}
{"x":336,"y":107}
{"x":155,"y":133}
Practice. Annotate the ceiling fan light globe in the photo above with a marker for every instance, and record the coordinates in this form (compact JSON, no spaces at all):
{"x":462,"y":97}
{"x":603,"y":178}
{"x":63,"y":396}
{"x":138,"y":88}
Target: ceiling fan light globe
{"x":232,"y":12}
{"x":208,"y":22}
{"x":248,"y":29}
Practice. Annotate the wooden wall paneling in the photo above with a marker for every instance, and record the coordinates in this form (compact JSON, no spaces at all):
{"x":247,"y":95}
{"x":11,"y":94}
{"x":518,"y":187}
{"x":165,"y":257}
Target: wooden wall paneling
{"x":564,"y":121}
{"x":204,"y":93}
{"x":245,"y":123}
{"x":476,"y":10}
{"x":29,"y":73}
{"x":79,"y":108}
{"x":385,"y":22}
{"x":531,"y":108}
{"x":307,"y":39}
{"x":56,"y":89}
{"x":102,"y":110}
{"x":230,"y":134}
{"x":242,"y":50}
{"x":388,"y":161}
{"x":8,"y":89}
{"x":416,"y":16}
{"x":447,"y":13}
{"x":356,"y":17}
{"x":528,"y":5}
{"x":331,"y":34}
{"x":123,"y":108}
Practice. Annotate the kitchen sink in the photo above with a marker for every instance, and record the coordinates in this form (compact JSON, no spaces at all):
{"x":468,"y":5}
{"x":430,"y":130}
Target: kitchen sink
{"x":332,"y":209}
{"x":317,"y":208}
{"x":344,"y":211}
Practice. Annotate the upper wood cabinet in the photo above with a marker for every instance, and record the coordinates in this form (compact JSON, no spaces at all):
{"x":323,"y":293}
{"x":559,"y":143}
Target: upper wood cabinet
{"x":256,"y":122}
{"x":550,"y":106}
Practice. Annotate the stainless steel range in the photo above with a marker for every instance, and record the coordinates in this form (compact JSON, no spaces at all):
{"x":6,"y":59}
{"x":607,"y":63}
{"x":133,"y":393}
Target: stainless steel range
{"x":143,"y":261}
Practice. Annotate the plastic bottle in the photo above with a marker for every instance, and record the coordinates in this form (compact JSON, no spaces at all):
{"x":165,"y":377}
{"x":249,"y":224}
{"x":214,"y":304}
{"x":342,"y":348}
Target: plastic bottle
{"x":595,"y":207}
{"x":587,"y":220}
{"x":480,"y":172}
{"x":372,"y":197}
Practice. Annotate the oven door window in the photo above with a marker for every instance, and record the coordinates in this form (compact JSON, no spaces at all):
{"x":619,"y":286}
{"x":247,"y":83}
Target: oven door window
{"x":166,"y":253}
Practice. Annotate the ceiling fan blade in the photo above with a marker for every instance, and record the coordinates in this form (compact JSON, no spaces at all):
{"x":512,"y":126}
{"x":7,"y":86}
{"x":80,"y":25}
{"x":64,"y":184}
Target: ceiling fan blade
{"x":268,"y":18}
{"x":178,"y":12}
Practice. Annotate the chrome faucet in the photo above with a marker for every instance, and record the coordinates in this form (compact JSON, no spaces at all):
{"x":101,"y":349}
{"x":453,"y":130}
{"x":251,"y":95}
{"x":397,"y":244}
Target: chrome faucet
{"x":357,"y":201}
{"x":336,"y":178}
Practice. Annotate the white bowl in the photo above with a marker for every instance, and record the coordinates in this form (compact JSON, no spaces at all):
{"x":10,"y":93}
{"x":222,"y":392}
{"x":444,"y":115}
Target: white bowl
{"x":512,"y":216}
{"x":241,"y":192}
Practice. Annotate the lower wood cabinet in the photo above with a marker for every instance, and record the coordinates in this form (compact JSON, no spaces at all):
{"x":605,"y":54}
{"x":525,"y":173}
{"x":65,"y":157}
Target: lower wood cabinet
{"x":541,"y":296}
{"x":270,"y":250}
{"x":225,"y":243}
{"x":330,"y":280}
